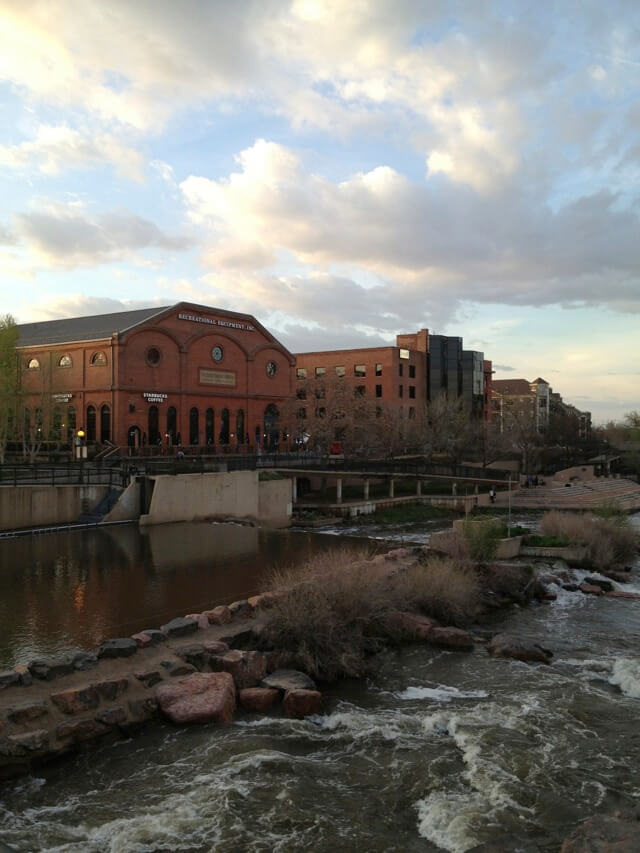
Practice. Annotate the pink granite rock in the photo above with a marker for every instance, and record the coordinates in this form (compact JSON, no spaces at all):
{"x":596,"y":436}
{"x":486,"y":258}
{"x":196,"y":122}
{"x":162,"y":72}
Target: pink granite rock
{"x":301,"y":703}
{"x":200,"y":618}
{"x":451,"y":638}
{"x":203,"y":697}
{"x":258,"y":698}
{"x":247,"y":668}
{"x":411,"y":625}
{"x":219,"y":615}
{"x":590,"y":589}
{"x":142,"y":639}
{"x":77,"y":701}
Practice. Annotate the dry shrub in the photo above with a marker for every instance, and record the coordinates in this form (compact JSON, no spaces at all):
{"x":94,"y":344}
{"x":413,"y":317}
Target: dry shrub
{"x":330,"y":618}
{"x":610,"y":541}
{"x":445,"y":588}
{"x":454,"y":545}
{"x":328,"y":615}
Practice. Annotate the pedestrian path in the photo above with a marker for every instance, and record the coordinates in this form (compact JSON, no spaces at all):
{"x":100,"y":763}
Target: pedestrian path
{"x":577,"y":495}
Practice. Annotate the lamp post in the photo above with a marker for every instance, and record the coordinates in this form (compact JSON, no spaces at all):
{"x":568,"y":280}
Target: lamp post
{"x":81,"y":447}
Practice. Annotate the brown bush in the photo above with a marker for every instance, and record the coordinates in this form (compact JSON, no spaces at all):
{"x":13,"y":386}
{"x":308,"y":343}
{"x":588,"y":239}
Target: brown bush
{"x":332,"y":614}
{"x":609,"y":541}
{"x":444,"y":588}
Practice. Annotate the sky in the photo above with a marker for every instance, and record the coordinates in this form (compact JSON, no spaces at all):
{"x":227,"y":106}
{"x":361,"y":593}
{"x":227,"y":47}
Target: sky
{"x":344,"y":170}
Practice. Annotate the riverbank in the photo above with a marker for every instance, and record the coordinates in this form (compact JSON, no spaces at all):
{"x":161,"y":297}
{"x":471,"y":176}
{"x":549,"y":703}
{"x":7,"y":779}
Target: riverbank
{"x":228,"y":655}
{"x":467,"y":749}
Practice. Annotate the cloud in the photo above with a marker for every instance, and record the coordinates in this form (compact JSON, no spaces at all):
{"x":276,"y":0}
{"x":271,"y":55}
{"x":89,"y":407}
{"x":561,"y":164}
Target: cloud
{"x":503,"y":368}
{"x":79,"y":305}
{"x":58,"y":147}
{"x":69,"y":237}
{"x":6,"y":237}
{"x":426,"y":249}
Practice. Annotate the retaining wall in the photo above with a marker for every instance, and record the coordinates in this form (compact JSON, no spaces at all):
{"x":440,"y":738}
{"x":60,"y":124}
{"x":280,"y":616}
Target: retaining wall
{"x":39,"y":506}
{"x":236,"y":494}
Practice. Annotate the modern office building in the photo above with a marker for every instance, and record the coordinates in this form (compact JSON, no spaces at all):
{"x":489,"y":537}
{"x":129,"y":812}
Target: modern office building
{"x":181,"y":374}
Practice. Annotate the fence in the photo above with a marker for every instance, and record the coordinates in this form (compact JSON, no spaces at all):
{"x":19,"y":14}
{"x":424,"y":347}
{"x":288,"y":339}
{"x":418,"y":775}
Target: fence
{"x":72,"y":474}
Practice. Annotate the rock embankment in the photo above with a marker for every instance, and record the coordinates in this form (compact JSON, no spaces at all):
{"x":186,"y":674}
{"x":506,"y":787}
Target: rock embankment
{"x":186,"y":671}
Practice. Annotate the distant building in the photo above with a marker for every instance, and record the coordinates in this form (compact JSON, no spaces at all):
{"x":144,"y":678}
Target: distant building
{"x":183,"y":373}
{"x":534,"y":401}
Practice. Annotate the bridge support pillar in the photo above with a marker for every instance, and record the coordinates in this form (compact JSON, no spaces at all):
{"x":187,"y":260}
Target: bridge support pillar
{"x":294,"y":489}
{"x":366,"y":490}
{"x":391,"y":487}
{"x":418,"y":487}
{"x":339,"y":490}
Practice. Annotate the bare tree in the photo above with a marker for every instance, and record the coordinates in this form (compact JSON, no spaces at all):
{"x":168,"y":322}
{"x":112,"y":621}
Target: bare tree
{"x":9,"y":378}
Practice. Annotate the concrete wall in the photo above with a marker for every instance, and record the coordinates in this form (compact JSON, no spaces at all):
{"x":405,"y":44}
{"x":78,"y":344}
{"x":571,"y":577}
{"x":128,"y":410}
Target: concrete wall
{"x":37,"y":506}
{"x":128,"y":506}
{"x":275,"y":502}
{"x":193,"y":497}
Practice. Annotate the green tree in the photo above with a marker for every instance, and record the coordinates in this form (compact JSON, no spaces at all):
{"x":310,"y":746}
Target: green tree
{"x":9,"y":380}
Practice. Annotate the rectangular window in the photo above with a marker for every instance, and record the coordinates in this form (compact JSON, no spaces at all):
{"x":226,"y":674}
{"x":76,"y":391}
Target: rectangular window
{"x":302,"y":413}
{"x":412,"y":371}
{"x":301,"y":372}
{"x":400,"y":390}
{"x":412,"y":391}
{"x":359,"y":391}
{"x":378,"y":390}
{"x":378,"y":370}
{"x":400,"y":369}
{"x":301,"y":393}
{"x":321,"y":371}
{"x":359,"y":370}
{"x":340,"y":371}
{"x":404,"y":353}
{"x":412,"y":413}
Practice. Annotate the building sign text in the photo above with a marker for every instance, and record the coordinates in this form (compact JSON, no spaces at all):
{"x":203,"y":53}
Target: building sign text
{"x":217,"y":377}
{"x":193,"y":318}
{"x":154,"y":396}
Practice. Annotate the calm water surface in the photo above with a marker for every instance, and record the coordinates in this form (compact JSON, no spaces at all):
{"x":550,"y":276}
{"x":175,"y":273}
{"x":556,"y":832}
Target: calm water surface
{"x":439,"y":751}
{"x":74,"y":589}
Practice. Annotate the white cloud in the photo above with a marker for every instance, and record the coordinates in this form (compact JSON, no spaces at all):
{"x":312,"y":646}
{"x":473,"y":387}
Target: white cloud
{"x":428,"y":250}
{"x":63,"y":235}
{"x":58,"y":147}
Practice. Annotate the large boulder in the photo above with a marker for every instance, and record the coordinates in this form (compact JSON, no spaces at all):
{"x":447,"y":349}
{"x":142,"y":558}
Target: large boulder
{"x":508,"y":646}
{"x":410,"y":626}
{"x":451,"y":638}
{"x":203,"y":697}
{"x":617,"y":833}
{"x":258,"y":699}
{"x":288,"y":679}
{"x":302,"y":703}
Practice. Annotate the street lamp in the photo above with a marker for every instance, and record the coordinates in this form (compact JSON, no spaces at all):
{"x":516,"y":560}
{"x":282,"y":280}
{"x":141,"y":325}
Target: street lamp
{"x":81,"y":449}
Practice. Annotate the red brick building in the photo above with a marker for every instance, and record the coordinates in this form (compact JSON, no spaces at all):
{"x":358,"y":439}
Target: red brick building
{"x":182,"y":374}
{"x":391,"y":375}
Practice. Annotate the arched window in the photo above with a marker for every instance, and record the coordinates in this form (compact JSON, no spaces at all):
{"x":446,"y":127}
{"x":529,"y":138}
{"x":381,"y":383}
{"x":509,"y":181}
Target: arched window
{"x":224,"y":427}
{"x":33,"y":364}
{"x":172,"y":423}
{"x":194,"y":426}
{"x":65,"y":361}
{"x":209,"y":427}
{"x":91,"y":423}
{"x":152,"y":426}
{"x":98,"y":358}
{"x":71,"y":422}
{"x":271,"y":420}
{"x":105,"y":423}
{"x":240,"y":426}
{"x":56,"y":424}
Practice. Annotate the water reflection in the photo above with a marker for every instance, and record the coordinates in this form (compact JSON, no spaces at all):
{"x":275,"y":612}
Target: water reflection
{"x":73,"y":589}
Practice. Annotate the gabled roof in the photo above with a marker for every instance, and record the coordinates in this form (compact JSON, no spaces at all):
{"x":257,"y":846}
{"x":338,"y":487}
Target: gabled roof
{"x":93,"y":328}
{"x":517,"y":387}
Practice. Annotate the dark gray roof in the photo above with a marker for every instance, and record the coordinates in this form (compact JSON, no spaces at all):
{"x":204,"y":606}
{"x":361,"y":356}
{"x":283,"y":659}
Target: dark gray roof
{"x":94,"y":328}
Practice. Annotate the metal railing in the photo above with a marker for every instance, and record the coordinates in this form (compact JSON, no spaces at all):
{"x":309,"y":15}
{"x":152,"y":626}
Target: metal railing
{"x":71,"y":474}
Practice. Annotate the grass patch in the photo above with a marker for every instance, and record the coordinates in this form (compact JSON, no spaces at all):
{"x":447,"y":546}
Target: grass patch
{"x":609,"y":541}
{"x":269,"y":475}
{"x":333,"y":613}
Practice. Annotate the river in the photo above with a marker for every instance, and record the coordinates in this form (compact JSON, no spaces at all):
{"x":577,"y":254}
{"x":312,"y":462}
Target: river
{"x":438,"y":751}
